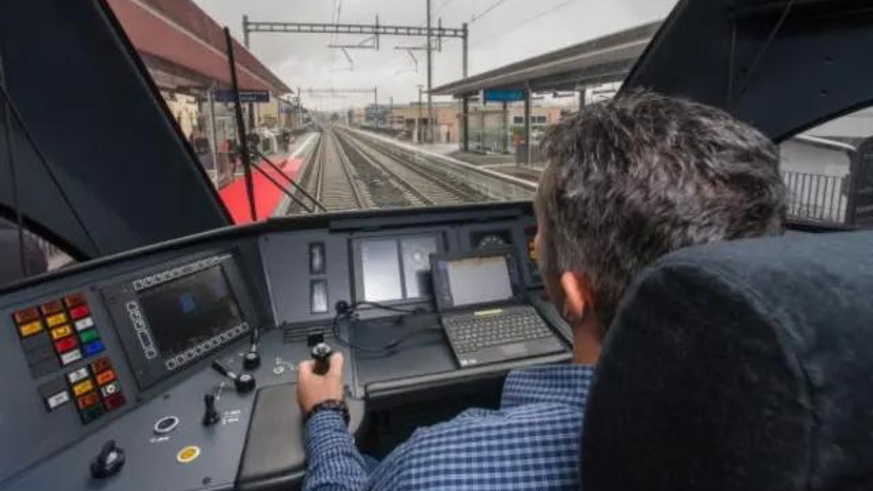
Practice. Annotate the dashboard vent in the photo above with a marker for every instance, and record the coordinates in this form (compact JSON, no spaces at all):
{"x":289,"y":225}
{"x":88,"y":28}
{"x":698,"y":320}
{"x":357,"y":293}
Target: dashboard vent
{"x":297,"y":333}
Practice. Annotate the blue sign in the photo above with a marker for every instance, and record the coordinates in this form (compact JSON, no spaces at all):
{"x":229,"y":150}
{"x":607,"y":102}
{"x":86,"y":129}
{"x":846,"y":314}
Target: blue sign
{"x":245,"y":96}
{"x":502,"y":95}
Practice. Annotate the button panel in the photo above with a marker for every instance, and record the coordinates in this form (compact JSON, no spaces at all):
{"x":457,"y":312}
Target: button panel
{"x":60,"y":333}
{"x":63,"y":326}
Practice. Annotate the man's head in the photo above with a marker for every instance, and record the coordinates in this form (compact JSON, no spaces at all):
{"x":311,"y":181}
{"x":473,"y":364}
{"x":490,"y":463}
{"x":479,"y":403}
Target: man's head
{"x":632,"y":179}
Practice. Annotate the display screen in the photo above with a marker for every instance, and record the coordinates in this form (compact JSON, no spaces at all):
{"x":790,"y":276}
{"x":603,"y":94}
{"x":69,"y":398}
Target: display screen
{"x":476,"y":280}
{"x":396,"y":268}
{"x":186,"y":312}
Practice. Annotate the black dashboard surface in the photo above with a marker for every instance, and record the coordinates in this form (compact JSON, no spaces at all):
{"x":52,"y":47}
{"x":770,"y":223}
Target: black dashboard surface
{"x":281,"y":278}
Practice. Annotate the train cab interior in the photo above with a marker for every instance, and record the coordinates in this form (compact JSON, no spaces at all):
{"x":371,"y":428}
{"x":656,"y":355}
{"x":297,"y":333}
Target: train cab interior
{"x":743,"y":365}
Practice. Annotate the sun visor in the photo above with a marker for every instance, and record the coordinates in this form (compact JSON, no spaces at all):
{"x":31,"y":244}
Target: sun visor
{"x":783,"y":66}
{"x":107,"y":169}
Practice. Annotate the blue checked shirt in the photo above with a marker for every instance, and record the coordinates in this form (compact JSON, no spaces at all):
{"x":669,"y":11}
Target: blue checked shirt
{"x":531,"y":442}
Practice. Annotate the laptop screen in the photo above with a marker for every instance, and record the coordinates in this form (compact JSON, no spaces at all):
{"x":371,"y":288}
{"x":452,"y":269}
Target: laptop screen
{"x":475,"y":280}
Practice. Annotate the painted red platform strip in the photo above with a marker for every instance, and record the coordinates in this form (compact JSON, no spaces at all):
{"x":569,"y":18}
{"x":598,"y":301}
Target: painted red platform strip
{"x":267,"y":196}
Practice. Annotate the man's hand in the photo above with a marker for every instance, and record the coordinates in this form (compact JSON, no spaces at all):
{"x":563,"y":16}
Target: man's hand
{"x":313,"y":389}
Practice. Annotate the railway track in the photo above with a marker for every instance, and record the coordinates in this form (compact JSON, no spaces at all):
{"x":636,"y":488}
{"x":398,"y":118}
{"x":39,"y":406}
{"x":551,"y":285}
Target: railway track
{"x":348,"y":170}
{"x":422,"y":184}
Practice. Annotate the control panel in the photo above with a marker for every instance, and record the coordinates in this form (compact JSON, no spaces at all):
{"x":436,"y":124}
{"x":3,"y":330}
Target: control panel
{"x":175,"y":368}
{"x":60,"y":342}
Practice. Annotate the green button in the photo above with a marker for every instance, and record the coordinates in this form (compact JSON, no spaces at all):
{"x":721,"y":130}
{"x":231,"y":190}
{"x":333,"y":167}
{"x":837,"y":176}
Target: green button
{"x":91,"y":413}
{"x":89,"y":335}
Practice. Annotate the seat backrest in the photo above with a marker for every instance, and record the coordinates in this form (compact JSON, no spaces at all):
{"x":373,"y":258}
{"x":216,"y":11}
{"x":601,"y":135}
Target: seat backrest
{"x":745,"y":365}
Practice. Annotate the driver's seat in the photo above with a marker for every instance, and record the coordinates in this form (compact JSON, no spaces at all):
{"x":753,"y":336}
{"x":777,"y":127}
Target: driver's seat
{"x":742,"y":366}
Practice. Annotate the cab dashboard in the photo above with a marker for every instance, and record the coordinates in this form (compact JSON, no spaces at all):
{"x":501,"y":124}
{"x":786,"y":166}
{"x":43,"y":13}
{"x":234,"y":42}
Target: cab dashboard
{"x":121,"y":353}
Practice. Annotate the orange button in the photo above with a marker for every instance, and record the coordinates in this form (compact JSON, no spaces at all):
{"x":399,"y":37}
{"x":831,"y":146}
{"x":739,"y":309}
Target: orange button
{"x":61,"y":332}
{"x":100,"y":365}
{"x":74,"y":300}
{"x":30,"y":329}
{"x":56,"y":320}
{"x":105,"y":377}
{"x":52,"y":307}
{"x":26,"y":315}
{"x":79,"y":312}
{"x":83,"y":387}
{"x":87,"y":400}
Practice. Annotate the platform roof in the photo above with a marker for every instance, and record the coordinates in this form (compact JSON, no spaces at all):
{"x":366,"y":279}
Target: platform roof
{"x":184,"y":43}
{"x":601,"y":60}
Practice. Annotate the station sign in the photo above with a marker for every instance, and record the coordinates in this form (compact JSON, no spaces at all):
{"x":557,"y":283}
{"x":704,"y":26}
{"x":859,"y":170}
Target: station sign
{"x":502,"y":95}
{"x":245,"y":96}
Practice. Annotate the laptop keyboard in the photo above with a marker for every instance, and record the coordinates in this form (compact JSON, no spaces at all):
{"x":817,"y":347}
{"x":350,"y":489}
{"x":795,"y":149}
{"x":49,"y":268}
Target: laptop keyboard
{"x":469,"y":333}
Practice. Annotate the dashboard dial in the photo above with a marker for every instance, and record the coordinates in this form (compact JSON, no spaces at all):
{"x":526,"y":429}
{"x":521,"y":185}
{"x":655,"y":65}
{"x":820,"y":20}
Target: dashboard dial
{"x":492,"y":240}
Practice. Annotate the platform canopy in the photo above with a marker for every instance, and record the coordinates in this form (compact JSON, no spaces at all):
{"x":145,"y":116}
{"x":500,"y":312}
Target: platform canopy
{"x":601,"y":60}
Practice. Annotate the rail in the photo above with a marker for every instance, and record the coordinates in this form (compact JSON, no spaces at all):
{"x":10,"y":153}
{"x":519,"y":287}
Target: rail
{"x":494,"y":185}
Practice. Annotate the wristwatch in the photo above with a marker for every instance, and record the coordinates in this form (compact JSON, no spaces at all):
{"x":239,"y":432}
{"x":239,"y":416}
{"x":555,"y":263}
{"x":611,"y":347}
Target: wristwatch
{"x":330,"y":405}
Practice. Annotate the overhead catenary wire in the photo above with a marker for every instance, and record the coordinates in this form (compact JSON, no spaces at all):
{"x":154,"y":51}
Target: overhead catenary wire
{"x":486,"y":11}
{"x":535,"y":18}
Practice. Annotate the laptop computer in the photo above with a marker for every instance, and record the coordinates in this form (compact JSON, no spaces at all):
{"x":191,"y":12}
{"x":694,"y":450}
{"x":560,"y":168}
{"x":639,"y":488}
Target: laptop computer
{"x":483,"y":310}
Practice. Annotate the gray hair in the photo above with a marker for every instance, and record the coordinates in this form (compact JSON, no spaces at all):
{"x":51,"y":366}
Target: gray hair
{"x":632,"y":179}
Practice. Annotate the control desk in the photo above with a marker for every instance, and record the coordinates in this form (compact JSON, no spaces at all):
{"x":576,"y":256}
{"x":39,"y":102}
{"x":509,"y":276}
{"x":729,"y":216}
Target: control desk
{"x":173,"y":367}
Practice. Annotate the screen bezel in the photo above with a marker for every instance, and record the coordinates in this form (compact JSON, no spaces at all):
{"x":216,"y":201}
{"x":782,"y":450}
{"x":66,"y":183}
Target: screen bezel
{"x":514,"y":278}
{"x":165,"y":353}
{"x":358,"y":263}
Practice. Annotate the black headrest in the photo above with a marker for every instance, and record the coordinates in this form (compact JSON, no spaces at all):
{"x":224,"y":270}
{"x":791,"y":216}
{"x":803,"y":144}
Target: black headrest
{"x":746,"y":366}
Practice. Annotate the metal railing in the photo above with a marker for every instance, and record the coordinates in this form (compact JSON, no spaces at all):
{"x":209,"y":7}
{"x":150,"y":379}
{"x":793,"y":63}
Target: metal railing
{"x":817,"y":197}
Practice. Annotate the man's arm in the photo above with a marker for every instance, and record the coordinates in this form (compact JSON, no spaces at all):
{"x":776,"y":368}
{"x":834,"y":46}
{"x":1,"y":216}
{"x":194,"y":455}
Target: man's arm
{"x":333,"y":463}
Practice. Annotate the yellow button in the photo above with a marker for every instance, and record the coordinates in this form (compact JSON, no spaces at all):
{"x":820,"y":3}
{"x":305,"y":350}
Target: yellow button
{"x":30,"y":329}
{"x":83,"y":387}
{"x":56,"y":320}
{"x":188,"y":454}
{"x":61,"y":332}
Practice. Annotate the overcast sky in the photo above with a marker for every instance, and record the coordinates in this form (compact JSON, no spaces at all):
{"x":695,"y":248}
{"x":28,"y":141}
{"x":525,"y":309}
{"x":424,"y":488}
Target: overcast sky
{"x":502,"y":31}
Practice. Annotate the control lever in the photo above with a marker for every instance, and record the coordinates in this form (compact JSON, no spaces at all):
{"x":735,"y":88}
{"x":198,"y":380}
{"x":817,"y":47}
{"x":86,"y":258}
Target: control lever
{"x":108,"y":462}
{"x":321,"y":354}
{"x":252,"y":359}
{"x":211,"y":416}
{"x":243,"y":382}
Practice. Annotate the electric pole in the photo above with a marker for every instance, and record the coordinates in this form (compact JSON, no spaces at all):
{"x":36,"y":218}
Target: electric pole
{"x":429,"y":77}
{"x":418,"y":132}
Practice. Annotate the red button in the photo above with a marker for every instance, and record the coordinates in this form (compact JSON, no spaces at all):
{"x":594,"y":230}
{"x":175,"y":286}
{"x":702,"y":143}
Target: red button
{"x":79,"y":312}
{"x":114,"y":401}
{"x":52,"y":307}
{"x":66,"y":344}
{"x":26,"y":315}
{"x":87,"y":400}
{"x":74,"y":299}
{"x":100,"y":365}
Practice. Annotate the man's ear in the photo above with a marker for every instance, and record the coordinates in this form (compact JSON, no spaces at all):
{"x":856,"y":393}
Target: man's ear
{"x":577,"y":297}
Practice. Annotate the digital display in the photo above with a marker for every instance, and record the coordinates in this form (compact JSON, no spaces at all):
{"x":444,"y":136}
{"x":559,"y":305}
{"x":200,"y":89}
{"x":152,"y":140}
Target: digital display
{"x":396,"y":268}
{"x":381,"y":270}
{"x":475,"y":280}
{"x":318,"y":297}
{"x":186,"y":312}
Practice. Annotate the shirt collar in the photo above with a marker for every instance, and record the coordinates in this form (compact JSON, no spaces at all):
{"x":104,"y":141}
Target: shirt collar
{"x":562,"y":384}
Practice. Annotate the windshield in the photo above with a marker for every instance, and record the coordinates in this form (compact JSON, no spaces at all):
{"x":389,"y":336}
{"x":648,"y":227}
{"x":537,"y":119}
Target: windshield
{"x":346,"y":108}
{"x":350,"y":105}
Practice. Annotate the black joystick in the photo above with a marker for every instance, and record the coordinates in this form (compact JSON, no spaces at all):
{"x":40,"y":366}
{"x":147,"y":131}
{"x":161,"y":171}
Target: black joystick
{"x":211,"y":416}
{"x":243,"y":383}
{"x":321,"y":354}
{"x":108,"y":462}
{"x":252,"y":358}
